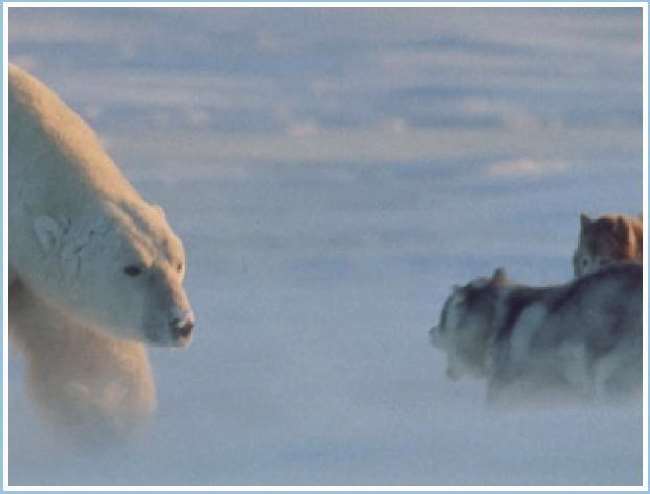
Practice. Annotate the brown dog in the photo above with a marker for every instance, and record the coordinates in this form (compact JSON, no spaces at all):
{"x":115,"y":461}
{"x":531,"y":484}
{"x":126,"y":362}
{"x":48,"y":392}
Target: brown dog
{"x":610,"y":238}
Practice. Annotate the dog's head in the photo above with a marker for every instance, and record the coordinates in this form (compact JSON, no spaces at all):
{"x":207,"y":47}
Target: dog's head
{"x":466,"y":324}
{"x":610,"y":238}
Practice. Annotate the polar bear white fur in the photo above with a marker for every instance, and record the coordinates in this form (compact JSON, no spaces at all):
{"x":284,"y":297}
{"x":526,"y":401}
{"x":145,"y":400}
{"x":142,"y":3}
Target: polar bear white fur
{"x":87,"y":383}
{"x":94,"y":270}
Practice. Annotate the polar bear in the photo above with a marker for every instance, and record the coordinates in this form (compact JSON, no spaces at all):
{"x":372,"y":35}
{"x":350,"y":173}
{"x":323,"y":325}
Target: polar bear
{"x":95,"y":271}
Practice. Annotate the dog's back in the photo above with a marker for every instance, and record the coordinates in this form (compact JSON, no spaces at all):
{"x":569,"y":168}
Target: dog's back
{"x":586,"y":336}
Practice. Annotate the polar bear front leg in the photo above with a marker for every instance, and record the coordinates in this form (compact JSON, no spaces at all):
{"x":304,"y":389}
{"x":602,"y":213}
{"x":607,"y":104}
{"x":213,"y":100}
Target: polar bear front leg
{"x":82,"y":379}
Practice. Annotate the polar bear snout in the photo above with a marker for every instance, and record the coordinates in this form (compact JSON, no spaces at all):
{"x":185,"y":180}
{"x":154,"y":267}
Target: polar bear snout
{"x":181,"y":329}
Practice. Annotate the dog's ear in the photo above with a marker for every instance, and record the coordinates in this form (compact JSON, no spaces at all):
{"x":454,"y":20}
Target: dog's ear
{"x":622,"y":230}
{"x":585,"y":221}
{"x":457,"y":294}
{"x":499,"y":277}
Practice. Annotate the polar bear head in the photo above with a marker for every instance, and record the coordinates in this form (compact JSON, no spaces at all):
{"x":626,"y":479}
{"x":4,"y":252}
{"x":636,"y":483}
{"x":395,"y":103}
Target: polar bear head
{"x":82,"y":238}
{"x":121,"y":270}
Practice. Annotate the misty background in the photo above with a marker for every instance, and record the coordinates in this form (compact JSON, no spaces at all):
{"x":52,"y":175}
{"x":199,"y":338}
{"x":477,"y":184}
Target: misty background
{"x":332,"y":172}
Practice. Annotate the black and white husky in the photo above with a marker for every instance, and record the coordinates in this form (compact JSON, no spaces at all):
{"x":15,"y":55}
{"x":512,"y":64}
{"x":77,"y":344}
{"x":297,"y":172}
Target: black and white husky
{"x":584,"y":337}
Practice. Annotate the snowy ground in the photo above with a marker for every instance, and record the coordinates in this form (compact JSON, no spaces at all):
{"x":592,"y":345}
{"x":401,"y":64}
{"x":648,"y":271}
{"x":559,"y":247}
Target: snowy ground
{"x":332,"y":174}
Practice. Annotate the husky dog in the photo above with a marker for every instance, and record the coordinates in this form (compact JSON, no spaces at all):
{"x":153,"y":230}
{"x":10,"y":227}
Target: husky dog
{"x":584,"y":338}
{"x":613,"y":237}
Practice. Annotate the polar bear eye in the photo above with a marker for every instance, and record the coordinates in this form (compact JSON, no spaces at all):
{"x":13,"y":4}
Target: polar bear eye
{"x":179,"y":267}
{"x":133,"y":270}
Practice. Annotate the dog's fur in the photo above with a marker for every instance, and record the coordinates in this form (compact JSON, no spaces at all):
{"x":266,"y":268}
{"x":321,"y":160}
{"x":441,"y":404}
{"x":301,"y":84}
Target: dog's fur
{"x":610,"y":238}
{"x":583,"y":339}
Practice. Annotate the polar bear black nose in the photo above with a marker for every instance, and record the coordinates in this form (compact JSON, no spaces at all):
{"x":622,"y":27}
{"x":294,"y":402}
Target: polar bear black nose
{"x":182,"y":329}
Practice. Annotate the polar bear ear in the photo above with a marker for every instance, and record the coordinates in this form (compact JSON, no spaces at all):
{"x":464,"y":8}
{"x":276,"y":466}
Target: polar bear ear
{"x":158,"y":209}
{"x":48,"y":232}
